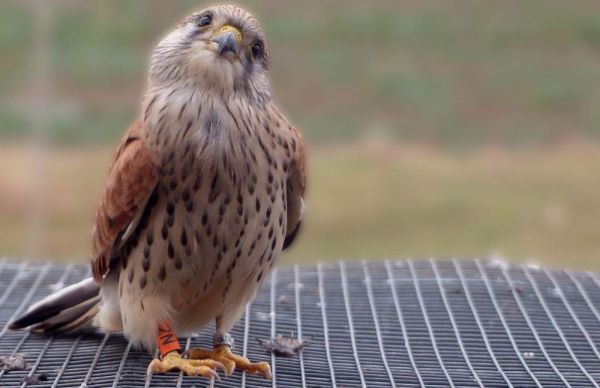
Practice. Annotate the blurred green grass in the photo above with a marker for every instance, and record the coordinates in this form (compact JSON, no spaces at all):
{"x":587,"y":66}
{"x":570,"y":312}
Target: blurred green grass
{"x":457,"y":74}
{"x":378,"y":200}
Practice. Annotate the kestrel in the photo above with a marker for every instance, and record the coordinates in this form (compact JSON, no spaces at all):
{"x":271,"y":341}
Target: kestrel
{"x":204,"y":193}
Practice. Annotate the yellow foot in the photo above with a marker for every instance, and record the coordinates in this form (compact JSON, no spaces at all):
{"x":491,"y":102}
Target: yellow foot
{"x":224,"y":355}
{"x":173,"y":361}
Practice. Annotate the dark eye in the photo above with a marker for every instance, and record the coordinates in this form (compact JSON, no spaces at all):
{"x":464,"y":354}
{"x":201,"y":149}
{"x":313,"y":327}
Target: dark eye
{"x":204,"y":21}
{"x":257,"y":50}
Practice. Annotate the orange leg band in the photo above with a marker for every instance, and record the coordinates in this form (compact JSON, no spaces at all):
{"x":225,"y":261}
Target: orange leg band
{"x":167,"y":339}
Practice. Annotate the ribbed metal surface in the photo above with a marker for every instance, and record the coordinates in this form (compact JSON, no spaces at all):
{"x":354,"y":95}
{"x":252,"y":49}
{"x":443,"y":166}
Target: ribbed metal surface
{"x":380,"y":324}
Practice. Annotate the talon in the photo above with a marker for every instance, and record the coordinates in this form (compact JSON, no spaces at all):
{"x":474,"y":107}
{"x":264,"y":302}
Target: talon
{"x":214,"y":374}
{"x":265,"y":369}
{"x":153,"y":367}
{"x":230,"y":368}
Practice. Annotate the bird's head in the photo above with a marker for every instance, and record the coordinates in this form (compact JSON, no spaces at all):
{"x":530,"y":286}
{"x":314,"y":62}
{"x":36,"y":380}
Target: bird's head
{"x":221,"y":48}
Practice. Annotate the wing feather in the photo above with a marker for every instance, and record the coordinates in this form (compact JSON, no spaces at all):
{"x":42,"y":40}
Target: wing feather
{"x":130,"y":182}
{"x":296,"y":186}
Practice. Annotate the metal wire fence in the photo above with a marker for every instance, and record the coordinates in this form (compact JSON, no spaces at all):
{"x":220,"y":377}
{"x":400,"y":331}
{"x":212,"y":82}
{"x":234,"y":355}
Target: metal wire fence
{"x":456,"y":323}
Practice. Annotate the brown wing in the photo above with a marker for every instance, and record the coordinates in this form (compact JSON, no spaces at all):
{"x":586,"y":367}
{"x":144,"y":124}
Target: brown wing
{"x":131,"y":180}
{"x":295,"y":189}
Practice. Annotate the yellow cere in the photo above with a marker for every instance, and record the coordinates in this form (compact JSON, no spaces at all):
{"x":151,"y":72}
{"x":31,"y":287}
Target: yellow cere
{"x":238,"y":34}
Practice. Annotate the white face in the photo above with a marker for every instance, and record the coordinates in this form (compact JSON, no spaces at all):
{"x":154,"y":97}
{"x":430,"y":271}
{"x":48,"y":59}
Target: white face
{"x":221,"y":49}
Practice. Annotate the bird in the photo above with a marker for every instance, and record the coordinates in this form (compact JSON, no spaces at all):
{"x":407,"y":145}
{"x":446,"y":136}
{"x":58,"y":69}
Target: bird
{"x":205,"y":191}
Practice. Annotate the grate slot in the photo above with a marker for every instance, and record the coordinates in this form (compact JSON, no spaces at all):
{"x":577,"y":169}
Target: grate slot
{"x":88,"y":375}
{"x":499,"y":313}
{"x":474,"y":315}
{"x":350,"y":323}
{"x":259,"y":326}
{"x":119,"y":373}
{"x":514,"y":292}
{"x":449,"y":313}
{"x":368,"y":283}
{"x":325,"y":324}
{"x":545,"y":334}
{"x":272,"y":313}
{"x":373,"y":358}
{"x":15,"y":277}
{"x":315,"y":357}
{"x":299,"y":321}
{"x":245,"y":343}
{"x":589,"y":316}
{"x":391,"y":281}
{"x":286,"y":322}
{"x":423,"y":311}
{"x":577,"y":341}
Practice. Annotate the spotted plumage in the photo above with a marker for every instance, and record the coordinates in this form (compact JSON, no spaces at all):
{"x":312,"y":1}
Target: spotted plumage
{"x":205,"y":189}
{"x":210,"y":126}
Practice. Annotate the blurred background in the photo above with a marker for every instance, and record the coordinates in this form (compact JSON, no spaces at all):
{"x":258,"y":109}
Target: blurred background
{"x":446,"y":129}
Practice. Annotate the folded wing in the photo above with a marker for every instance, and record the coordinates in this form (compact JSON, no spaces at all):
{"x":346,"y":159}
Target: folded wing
{"x":131,"y":181}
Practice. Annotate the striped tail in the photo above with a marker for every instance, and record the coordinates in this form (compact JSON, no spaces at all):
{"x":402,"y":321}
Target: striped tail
{"x":68,"y":310}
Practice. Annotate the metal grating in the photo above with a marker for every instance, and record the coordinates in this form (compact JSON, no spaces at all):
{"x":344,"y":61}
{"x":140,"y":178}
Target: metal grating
{"x":374,"y":324}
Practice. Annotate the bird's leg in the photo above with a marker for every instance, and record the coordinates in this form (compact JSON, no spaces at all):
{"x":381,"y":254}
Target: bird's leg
{"x":171,"y":360}
{"x":221,"y":352}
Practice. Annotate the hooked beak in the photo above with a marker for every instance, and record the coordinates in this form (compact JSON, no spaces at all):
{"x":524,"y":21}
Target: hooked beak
{"x":228,"y":40}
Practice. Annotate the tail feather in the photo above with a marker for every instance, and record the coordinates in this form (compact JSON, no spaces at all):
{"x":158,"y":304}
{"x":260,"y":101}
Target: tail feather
{"x":66,"y":310}
{"x":68,"y":319}
{"x":84,"y":322}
